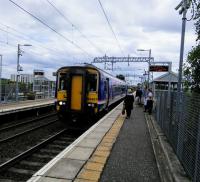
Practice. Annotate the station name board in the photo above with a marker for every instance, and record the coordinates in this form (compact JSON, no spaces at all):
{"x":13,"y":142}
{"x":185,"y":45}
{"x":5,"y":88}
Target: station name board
{"x":158,"y":68}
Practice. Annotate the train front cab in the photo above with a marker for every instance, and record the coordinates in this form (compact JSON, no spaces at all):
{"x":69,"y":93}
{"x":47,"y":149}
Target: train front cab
{"x":77,"y":93}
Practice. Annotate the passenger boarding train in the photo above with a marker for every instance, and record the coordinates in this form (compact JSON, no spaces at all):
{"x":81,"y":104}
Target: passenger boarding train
{"x":86,"y":91}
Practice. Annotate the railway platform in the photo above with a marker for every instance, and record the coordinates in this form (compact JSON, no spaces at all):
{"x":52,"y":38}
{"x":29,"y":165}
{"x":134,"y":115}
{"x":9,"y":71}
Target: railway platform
{"x":115,"y":149}
{"x":14,"y":107}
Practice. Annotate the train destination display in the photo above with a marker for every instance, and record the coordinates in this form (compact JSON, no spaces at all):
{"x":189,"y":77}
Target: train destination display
{"x":158,"y":68}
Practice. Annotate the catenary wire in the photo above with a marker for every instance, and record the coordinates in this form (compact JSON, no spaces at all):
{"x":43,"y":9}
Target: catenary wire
{"x":31,"y":53}
{"x":52,"y":29}
{"x":110,"y":26}
{"x":25,"y":37}
{"x":70,"y":22}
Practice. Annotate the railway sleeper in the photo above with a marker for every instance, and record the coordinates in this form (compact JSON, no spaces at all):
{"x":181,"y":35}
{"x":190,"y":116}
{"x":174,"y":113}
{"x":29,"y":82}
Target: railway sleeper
{"x":32,"y":163}
{"x":56,"y":146}
{"x":52,"y":151}
{"x":61,"y":142}
{"x":21,"y":171}
{"x":13,"y":176}
{"x":67,"y":138}
{"x":44,"y":156}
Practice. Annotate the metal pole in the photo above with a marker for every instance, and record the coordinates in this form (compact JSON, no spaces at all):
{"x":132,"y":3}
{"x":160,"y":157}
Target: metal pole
{"x":179,"y":88}
{"x":149,"y":66}
{"x":0,"y":77}
{"x":17,"y":78}
{"x":182,"y":48}
{"x":169,"y":86}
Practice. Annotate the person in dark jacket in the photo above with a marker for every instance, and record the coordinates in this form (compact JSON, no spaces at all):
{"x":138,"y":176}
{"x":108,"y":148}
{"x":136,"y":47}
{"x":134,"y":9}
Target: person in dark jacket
{"x":139,"y":95}
{"x":150,"y":101}
{"x":128,"y":103}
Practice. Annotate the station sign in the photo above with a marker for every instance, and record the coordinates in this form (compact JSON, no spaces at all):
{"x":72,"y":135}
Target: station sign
{"x":38,"y":73}
{"x":158,"y":68}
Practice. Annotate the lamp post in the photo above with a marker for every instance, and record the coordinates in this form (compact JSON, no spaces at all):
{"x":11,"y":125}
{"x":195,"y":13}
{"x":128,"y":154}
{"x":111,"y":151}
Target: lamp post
{"x":183,"y":6}
{"x":0,"y":76}
{"x":149,"y":50}
{"x":19,"y":68}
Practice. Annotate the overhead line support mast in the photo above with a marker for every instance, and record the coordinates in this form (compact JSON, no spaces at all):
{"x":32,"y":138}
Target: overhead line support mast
{"x":105,"y":59}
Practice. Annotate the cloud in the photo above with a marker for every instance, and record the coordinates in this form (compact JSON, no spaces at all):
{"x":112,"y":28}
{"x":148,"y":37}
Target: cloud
{"x":137,"y":24}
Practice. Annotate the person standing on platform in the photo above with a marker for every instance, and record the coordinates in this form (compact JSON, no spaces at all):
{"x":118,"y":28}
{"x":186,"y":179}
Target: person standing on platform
{"x":139,"y":95}
{"x":150,"y":101}
{"x":145,"y":95}
{"x":128,"y":103}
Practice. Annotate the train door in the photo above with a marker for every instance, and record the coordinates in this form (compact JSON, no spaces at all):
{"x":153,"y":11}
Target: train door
{"x":107,"y":91}
{"x":76,"y":92}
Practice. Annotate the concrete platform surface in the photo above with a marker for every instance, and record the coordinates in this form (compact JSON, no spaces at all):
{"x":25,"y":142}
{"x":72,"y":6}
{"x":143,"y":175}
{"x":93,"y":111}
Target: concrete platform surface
{"x":67,"y":165}
{"x":132,"y":157}
{"x":115,"y":150}
{"x":24,"y":105}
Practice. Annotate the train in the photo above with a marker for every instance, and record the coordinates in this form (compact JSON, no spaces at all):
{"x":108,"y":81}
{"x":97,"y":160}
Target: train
{"x":86,"y":90}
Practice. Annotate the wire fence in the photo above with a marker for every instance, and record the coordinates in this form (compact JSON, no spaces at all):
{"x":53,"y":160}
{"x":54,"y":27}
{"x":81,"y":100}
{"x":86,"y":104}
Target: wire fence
{"x":27,"y":91}
{"x":181,"y":125}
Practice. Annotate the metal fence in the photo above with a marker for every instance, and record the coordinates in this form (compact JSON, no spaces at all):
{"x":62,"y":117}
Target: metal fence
{"x":181,"y":125}
{"x":27,"y":91}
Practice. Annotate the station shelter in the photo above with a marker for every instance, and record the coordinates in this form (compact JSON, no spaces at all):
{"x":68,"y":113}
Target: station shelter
{"x":164,"y":81}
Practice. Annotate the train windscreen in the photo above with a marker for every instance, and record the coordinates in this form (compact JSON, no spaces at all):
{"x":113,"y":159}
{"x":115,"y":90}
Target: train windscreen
{"x":63,"y":81}
{"x":92,"y":83}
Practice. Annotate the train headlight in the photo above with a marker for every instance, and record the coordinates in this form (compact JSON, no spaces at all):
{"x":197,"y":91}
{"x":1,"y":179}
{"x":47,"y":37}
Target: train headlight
{"x":61,"y":103}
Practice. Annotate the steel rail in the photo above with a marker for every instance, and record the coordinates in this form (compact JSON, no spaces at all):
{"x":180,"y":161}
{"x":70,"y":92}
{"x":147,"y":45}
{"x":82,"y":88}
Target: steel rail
{"x":26,"y":122}
{"x":28,"y":152}
{"x":24,"y":132}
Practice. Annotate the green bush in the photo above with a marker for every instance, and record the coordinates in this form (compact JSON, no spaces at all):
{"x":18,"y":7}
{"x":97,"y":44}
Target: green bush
{"x":31,"y":96}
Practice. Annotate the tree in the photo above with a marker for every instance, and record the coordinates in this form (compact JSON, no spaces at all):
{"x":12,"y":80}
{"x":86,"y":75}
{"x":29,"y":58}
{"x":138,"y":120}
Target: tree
{"x":192,"y":66}
{"x":196,"y":7}
{"x":192,"y":69}
{"x":121,"y":77}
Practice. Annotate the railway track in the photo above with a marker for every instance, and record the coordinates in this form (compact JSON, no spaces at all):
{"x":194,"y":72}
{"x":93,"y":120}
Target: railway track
{"x":25,"y":161}
{"x":23,"y":123}
{"x":24,"y":165}
{"x":27,"y":131}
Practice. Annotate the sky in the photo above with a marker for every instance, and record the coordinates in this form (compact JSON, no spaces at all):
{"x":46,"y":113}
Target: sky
{"x":76,"y":31}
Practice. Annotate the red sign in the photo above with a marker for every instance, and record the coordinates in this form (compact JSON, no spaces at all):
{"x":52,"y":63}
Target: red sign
{"x":158,"y":68}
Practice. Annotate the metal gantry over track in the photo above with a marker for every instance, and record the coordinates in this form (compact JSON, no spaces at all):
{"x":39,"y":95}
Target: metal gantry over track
{"x":105,"y":59}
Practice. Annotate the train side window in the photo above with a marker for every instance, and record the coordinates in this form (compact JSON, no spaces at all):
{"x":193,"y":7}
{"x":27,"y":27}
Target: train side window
{"x":92,"y":83}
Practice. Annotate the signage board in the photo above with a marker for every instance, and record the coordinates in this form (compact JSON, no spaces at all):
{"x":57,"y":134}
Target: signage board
{"x":38,"y":73}
{"x":158,"y":68}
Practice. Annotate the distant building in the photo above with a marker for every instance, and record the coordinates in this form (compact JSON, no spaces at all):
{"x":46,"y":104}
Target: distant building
{"x":41,"y":86}
{"x":23,"y":78}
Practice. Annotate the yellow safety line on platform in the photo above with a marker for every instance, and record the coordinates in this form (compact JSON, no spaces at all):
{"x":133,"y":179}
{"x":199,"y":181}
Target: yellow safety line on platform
{"x":93,"y":168}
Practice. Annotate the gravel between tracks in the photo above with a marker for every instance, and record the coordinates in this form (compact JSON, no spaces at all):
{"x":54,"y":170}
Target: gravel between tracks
{"x":19,"y":129}
{"x":22,"y":143}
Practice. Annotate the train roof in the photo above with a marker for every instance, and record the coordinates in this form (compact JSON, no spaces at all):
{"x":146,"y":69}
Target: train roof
{"x":93,"y":67}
